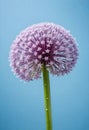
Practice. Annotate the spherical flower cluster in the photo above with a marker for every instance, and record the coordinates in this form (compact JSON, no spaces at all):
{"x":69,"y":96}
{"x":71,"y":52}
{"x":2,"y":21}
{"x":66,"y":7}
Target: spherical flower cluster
{"x":44,"y":43}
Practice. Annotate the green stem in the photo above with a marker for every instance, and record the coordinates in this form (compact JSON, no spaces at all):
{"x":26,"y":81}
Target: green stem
{"x":47,"y":98}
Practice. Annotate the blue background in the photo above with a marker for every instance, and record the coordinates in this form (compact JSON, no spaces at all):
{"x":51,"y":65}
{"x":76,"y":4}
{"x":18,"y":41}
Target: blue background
{"x":21,"y":104}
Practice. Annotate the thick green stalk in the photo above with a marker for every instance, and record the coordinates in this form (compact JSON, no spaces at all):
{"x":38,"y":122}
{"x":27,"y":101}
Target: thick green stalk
{"x":47,"y":98}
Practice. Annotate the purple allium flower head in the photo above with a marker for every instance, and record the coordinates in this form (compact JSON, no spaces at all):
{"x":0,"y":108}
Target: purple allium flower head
{"x":44,"y":43}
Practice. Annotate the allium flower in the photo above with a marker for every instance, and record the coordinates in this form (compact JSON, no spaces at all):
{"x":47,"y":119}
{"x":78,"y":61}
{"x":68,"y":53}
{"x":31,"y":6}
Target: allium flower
{"x":44,"y":43}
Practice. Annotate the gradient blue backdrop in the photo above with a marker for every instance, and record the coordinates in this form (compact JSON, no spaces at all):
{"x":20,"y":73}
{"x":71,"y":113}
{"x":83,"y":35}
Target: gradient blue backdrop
{"x":21,"y":104}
